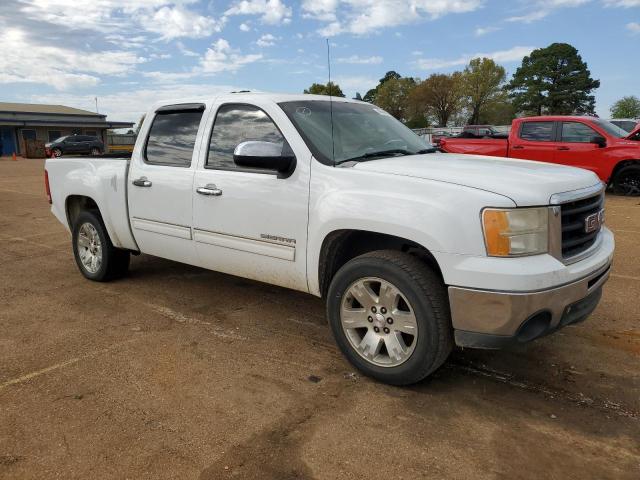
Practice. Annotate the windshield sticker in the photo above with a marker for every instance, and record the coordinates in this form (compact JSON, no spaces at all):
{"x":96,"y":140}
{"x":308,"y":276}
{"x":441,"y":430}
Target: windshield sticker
{"x":304,"y":111}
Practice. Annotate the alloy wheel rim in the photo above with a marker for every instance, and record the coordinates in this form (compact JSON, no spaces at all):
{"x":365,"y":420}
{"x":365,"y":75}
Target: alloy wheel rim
{"x":379,"y":322}
{"x":89,"y":248}
{"x":630,"y":184}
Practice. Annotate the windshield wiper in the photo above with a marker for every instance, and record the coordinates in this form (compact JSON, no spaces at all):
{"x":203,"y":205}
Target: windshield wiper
{"x":386,"y":153}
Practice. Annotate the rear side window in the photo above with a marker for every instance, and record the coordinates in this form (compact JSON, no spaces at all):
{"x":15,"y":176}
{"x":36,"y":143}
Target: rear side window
{"x":235,"y":124}
{"x":576,"y":132}
{"x":172,"y":138}
{"x":537,"y":131}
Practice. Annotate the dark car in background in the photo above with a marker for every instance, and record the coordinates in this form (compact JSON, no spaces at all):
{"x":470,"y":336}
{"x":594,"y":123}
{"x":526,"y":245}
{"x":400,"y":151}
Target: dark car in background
{"x":70,"y":144}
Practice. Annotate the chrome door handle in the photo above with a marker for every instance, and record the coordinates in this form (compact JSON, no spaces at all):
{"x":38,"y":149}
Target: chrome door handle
{"x":142,"y":182}
{"x":209,"y":189}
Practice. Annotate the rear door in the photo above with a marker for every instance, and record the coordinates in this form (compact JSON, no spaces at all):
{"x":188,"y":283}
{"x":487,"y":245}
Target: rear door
{"x":161,"y":181}
{"x":255,"y":224}
{"x":535,"y":140}
{"x":575,"y":147}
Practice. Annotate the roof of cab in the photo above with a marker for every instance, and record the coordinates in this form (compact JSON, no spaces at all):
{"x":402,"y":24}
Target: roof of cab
{"x":247,"y":96}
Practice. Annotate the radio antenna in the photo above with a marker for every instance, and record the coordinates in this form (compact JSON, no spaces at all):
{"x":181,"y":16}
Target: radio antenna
{"x":330,"y":86}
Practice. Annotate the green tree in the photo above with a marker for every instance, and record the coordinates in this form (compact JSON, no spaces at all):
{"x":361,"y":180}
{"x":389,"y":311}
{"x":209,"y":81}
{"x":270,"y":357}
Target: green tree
{"x":393,"y":96}
{"x":499,"y":111}
{"x":329,"y":89}
{"x":482,"y":83}
{"x":553,"y":80}
{"x":370,"y":96}
{"x":626,"y":107}
{"x":438,"y":96}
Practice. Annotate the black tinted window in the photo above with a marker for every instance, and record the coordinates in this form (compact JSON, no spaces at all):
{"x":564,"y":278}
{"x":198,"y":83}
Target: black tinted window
{"x":235,"y":124}
{"x":172,"y":138}
{"x":576,"y":132}
{"x":537,"y":131}
{"x":74,"y":139}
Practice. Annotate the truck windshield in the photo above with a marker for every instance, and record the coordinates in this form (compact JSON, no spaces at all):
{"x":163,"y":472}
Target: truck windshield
{"x":610,"y":128}
{"x":360,"y":131}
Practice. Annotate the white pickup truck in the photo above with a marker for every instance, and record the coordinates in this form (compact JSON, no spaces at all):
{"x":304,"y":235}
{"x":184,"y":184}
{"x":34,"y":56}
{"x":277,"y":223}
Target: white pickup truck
{"x":414,"y":251}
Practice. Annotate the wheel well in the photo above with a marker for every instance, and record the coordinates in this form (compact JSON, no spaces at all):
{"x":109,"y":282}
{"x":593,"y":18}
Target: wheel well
{"x":341,"y":246}
{"x":75,"y":204}
{"x":619,"y":166}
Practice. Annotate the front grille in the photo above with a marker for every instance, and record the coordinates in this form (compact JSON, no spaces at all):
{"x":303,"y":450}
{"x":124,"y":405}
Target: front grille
{"x":575,"y":239}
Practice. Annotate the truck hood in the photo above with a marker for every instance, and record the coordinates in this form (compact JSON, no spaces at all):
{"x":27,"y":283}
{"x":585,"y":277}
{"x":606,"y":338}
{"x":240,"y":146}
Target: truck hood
{"x":525,"y":182}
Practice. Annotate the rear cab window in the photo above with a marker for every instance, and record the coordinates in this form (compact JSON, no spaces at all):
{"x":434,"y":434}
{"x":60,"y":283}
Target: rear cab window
{"x":537,"y":131}
{"x":172,"y":136}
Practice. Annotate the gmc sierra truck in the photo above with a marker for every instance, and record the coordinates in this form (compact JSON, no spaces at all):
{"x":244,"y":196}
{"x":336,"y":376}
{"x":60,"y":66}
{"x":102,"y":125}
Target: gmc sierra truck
{"x":586,"y":142}
{"x":413,"y":251}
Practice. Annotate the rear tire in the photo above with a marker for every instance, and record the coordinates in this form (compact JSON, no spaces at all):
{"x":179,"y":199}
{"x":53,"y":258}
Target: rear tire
{"x":95,"y":151}
{"x":389,"y":314}
{"x":627,"y":181}
{"x":95,"y":255}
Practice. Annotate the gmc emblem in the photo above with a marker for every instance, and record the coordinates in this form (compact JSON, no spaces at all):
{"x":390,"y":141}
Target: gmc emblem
{"x":594,"y":221}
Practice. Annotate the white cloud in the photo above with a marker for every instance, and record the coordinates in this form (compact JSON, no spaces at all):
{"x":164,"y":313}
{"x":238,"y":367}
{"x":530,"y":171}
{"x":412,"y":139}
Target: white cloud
{"x":272,"y":12}
{"x":24,"y":60}
{"x":355,"y":83}
{"x":361,"y":17}
{"x":266,"y":40}
{"x":176,"y":22}
{"x":244,"y":27}
{"x":357,"y":60}
{"x":542,"y":8}
{"x":622,"y":3}
{"x":220,"y":57}
{"x":129,"y":104}
{"x":481,"y":31}
{"x":634,"y":27}
{"x":502,"y":56}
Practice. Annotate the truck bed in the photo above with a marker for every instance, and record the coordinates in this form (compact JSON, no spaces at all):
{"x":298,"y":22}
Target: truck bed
{"x":490,"y":146}
{"x":103,"y":179}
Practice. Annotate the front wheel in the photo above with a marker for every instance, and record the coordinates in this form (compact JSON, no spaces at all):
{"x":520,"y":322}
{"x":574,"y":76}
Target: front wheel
{"x":627,"y":181}
{"x":390,"y":316}
{"x":57,"y":152}
{"x":94,"y":253}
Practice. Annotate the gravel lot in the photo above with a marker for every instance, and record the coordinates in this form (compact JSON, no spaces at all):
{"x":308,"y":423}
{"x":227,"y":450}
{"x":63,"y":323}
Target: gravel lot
{"x":178,"y":372}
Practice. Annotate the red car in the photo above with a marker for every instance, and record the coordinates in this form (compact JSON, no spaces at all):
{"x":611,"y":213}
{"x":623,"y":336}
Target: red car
{"x":585,"y":142}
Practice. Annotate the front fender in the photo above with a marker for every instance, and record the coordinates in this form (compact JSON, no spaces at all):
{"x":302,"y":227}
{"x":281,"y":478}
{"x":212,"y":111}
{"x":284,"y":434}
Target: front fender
{"x":441,"y":217}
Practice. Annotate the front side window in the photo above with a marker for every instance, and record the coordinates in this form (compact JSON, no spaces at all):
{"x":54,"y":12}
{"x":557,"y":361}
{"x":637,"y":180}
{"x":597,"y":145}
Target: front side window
{"x":576,"y":132}
{"x":172,"y":137}
{"x":537,"y":131}
{"x":338,"y":132}
{"x":610,"y":128}
{"x":234,"y":124}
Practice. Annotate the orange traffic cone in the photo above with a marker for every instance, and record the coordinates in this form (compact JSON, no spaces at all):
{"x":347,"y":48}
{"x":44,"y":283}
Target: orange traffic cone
{"x":13,"y":157}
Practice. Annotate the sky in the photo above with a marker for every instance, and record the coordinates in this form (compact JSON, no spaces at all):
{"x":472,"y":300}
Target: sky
{"x":132,"y":53}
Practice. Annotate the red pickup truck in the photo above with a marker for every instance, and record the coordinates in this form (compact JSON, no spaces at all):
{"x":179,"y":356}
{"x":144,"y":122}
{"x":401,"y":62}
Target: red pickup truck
{"x":585,"y":142}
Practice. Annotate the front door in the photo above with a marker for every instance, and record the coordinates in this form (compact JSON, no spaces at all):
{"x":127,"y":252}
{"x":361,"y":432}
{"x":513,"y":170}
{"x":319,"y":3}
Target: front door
{"x":535,"y":141}
{"x":576,"y":148}
{"x":251,"y":222}
{"x":161,"y":181}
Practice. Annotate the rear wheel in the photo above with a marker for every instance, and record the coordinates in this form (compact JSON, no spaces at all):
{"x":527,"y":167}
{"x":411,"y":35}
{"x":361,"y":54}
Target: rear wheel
{"x":390,"y":316}
{"x":94,"y":253}
{"x":95,"y":151}
{"x":627,"y":181}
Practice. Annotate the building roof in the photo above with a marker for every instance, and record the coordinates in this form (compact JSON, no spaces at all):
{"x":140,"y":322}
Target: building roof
{"x":44,"y":109}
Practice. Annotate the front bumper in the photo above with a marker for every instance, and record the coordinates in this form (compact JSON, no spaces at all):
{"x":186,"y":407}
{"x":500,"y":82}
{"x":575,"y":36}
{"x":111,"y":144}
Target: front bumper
{"x":495,"y":319}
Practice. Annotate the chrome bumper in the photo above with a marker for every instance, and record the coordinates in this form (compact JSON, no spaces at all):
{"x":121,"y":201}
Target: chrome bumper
{"x":494,"y":319}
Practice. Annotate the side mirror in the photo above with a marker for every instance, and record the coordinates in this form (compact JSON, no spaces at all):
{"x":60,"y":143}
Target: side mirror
{"x":600,"y":141}
{"x":265,"y":156}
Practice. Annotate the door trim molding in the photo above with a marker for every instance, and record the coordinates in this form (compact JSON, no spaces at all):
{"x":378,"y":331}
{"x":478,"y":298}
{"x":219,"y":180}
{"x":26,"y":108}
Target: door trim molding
{"x":169,"y":229}
{"x":245,"y":244}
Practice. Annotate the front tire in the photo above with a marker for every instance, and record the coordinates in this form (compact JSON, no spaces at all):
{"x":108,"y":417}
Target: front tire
{"x":627,"y":181}
{"x":389,"y":314}
{"x":94,"y":253}
{"x":57,"y":152}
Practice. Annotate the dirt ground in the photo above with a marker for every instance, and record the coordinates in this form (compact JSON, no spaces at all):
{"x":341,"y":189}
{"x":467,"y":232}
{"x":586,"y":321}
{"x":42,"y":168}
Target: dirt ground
{"x":178,"y":372}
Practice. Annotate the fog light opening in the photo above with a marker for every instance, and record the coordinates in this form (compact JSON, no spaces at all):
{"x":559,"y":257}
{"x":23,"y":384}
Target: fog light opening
{"x":536,"y":326}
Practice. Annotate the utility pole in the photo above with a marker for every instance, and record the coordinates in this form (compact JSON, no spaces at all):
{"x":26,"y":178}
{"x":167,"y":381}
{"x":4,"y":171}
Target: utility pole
{"x":96,"y":99}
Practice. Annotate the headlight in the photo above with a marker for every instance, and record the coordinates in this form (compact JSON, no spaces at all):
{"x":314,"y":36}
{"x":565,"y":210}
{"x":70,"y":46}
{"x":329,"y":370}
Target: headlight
{"x":516,"y":232}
